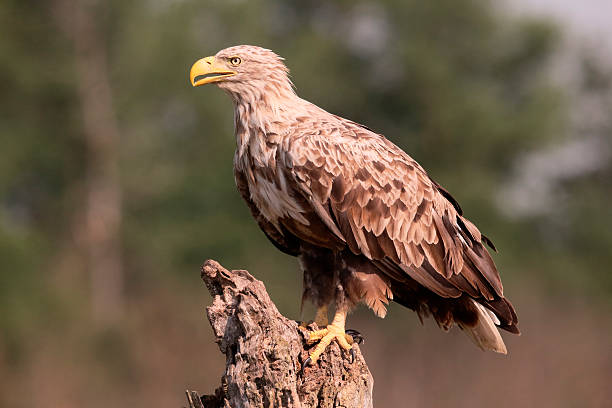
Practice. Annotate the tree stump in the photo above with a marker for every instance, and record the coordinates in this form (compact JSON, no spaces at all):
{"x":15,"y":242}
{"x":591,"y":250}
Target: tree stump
{"x":264,"y":352}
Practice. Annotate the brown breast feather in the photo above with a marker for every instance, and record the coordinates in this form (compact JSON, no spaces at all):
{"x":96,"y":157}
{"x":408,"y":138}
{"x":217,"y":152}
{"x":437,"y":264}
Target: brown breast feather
{"x":287,"y":243}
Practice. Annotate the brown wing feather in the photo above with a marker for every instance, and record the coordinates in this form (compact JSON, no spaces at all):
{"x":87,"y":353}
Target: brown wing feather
{"x":383,"y":205}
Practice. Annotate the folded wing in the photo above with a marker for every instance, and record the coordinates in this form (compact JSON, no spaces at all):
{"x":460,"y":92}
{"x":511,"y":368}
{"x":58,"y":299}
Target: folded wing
{"x":378,"y":200}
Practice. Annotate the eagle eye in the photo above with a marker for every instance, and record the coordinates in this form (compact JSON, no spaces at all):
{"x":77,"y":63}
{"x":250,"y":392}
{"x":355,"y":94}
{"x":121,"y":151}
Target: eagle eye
{"x":235,"y":61}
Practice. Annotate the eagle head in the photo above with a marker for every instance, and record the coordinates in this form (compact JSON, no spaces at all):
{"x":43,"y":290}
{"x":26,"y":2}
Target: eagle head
{"x":244,"y":71}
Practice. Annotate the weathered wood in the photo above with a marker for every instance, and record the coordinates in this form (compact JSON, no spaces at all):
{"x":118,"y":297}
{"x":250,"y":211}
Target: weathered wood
{"x":193,"y":399}
{"x":264,"y":351}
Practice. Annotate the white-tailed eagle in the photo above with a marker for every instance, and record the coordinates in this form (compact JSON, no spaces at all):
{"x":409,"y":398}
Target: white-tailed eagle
{"x":364,"y":219}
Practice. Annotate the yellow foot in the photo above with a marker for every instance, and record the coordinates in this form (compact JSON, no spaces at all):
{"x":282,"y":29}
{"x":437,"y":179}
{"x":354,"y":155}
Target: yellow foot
{"x":325,"y":337}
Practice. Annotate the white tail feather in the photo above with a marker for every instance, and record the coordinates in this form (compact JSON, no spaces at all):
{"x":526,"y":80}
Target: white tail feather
{"x":492,"y":315}
{"x":485,"y":335}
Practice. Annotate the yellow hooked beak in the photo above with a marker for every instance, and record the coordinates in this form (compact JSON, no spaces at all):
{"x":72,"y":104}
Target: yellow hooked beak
{"x":208,"y":70}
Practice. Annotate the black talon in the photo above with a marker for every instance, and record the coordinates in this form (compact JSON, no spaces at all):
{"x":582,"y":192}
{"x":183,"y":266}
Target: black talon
{"x":306,"y":363}
{"x":352,"y":355}
{"x":357,"y":337}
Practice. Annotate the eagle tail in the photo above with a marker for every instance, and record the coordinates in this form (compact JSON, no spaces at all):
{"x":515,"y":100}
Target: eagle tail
{"x":485,"y":333}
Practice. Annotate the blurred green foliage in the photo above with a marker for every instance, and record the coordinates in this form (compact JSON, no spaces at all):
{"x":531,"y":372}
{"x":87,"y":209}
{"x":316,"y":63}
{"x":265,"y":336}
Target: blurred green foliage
{"x":461,"y":88}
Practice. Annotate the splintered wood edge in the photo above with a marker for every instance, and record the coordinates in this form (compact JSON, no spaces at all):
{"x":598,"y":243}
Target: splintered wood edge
{"x":193,"y":399}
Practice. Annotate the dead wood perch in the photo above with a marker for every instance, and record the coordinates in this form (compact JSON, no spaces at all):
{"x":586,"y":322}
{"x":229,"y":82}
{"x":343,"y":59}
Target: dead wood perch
{"x":264,"y":351}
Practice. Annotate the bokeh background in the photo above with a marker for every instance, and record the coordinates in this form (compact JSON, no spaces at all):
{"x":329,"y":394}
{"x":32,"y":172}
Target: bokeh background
{"x":116,"y":184}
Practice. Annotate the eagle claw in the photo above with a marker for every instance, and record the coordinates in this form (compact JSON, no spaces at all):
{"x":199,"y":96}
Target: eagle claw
{"x":306,"y":363}
{"x":357,"y":337}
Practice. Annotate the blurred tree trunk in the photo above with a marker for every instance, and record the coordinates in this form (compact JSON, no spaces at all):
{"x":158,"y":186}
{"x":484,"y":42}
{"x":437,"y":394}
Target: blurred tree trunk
{"x":102,"y":212}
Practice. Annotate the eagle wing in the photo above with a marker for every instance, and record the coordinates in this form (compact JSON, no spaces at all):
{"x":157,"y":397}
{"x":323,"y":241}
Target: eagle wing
{"x":383,"y":204}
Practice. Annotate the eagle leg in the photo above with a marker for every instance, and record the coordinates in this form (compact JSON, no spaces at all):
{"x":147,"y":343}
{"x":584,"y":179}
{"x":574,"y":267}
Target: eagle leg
{"x":334,"y":331}
{"x":321,"y":316}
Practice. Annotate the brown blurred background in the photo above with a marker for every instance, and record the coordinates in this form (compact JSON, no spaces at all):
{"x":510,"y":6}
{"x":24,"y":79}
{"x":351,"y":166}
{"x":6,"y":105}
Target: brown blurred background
{"x":116,"y":184}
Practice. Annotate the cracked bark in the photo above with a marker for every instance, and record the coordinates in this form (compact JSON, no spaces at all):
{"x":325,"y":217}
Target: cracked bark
{"x":264,"y":351}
